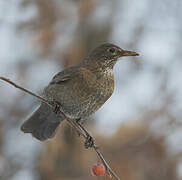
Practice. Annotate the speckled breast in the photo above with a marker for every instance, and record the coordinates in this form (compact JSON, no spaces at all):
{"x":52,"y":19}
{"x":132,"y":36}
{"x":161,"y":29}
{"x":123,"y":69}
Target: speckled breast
{"x":93,"y":92}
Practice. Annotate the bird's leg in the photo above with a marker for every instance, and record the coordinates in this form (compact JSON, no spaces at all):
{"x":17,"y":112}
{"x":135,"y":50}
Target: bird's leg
{"x":89,"y":140}
{"x":77,"y":122}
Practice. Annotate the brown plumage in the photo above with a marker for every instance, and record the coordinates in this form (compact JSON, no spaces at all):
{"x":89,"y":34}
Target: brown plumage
{"x":80,"y":90}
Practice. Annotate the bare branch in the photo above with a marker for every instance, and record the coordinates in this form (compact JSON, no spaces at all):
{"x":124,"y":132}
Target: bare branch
{"x":82,"y":131}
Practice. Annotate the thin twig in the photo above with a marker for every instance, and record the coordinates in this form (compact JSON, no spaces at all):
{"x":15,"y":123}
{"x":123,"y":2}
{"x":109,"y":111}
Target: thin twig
{"x":25,"y":90}
{"x":82,"y":131}
{"x":108,"y":168}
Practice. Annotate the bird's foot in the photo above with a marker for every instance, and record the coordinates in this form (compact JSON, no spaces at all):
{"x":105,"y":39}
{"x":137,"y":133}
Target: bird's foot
{"x":79,"y":121}
{"x":89,"y":143}
{"x":57,"y":106}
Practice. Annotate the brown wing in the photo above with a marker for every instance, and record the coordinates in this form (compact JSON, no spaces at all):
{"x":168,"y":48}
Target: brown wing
{"x":63,"y":76}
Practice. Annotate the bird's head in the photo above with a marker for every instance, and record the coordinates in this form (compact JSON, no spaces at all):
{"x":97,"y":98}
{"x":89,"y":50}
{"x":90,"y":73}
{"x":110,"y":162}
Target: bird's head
{"x":108,"y":54}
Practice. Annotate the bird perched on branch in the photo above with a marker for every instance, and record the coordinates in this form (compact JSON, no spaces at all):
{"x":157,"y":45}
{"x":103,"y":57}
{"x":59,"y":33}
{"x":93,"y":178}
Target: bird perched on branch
{"x":79,"y":90}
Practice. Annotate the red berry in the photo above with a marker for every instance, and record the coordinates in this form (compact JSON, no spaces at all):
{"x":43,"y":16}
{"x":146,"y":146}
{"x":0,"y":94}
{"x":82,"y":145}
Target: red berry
{"x":98,"y":170}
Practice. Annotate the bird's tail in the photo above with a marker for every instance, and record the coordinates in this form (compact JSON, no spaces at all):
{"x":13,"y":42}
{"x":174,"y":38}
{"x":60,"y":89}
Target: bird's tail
{"x":43,"y":123}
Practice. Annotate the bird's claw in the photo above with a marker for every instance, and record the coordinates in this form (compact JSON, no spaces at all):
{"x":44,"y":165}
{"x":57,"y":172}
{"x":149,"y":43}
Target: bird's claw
{"x":57,"y":106}
{"x":89,"y":143}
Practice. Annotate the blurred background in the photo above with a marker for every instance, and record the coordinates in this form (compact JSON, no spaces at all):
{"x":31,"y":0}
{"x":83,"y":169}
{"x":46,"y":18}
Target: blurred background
{"x":138,"y":129}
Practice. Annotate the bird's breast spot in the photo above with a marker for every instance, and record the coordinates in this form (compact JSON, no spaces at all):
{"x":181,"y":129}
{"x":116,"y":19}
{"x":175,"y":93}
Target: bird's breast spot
{"x":109,"y":71}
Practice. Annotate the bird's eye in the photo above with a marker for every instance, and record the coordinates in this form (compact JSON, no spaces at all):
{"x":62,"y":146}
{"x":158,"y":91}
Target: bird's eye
{"x":112,"y":50}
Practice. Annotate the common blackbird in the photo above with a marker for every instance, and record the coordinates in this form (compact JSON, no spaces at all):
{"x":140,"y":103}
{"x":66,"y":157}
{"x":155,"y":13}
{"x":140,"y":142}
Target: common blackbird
{"x":80,"y":91}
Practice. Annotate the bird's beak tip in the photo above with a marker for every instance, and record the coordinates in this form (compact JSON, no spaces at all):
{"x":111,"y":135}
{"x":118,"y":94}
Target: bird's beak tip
{"x":137,"y":54}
